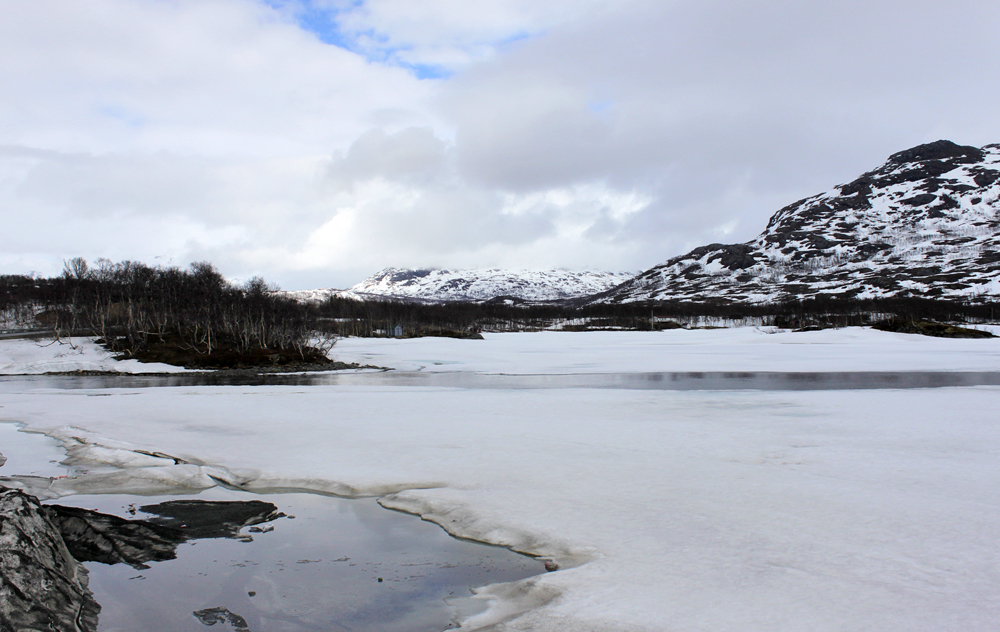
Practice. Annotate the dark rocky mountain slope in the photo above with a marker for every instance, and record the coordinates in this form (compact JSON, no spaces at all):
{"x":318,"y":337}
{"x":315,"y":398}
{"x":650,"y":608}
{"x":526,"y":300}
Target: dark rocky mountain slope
{"x":924,"y":224}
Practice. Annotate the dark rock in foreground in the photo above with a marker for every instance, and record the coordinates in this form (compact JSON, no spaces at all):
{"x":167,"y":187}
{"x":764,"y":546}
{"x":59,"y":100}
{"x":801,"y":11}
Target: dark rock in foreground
{"x":211,"y":616}
{"x":196,"y":519}
{"x":42,"y":587}
{"x":91,"y":536}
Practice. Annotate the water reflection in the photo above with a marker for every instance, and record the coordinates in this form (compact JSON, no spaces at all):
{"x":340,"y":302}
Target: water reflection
{"x":30,"y":454}
{"x":327,"y":564}
{"x":337,"y":565}
{"x":678,"y":381}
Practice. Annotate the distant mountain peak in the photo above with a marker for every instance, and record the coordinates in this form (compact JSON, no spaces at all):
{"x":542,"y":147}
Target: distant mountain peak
{"x":477,"y":285}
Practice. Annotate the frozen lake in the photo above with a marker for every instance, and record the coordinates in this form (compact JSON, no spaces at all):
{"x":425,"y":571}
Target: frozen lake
{"x":690,"y":480}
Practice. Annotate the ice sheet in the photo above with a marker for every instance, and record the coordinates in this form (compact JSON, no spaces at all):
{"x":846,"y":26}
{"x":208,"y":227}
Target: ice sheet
{"x":679,"y":511}
{"x":736,"y":349}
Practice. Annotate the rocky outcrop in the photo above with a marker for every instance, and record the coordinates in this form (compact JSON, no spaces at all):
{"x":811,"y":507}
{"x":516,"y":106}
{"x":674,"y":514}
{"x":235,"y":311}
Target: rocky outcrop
{"x":42,"y":587}
{"x":92,"y":536}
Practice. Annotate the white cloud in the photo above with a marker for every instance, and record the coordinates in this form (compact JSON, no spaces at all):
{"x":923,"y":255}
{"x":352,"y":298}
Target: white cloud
{"x":191,"y":76}
{"x":450,"y":33}
{"x":608,"y":134}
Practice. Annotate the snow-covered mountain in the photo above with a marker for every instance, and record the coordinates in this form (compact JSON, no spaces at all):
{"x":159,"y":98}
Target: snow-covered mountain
{"x":310,"y":296}
{"x":438,"y":286}
{"x":926,"y":223}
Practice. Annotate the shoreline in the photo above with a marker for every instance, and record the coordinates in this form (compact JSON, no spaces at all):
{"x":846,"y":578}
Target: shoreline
{"x":504,"y":600}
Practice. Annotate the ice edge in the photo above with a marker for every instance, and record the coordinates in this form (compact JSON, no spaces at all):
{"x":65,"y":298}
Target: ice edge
{"x":147,"y":471}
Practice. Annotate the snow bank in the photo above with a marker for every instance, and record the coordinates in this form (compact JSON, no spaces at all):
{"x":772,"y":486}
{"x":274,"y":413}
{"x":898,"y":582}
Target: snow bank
{"x":680,"y":511}
{"x":738,"y":349}
{"x":30,"y":357}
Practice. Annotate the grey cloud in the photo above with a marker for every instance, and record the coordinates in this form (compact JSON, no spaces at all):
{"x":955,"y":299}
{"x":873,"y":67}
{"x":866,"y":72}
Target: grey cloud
{"x":718,"y":112}
{"x":699,"y":98}
{"x":446,"y":220}
{"x":412,"y":154}
{"x":100,"y":185}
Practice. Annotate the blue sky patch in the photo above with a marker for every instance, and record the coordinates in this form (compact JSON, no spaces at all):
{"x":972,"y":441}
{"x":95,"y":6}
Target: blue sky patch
{"x":118,"y":112}
{"x":323,"y":22}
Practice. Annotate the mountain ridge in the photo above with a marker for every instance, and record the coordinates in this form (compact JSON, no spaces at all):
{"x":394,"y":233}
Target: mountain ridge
{"x":926,"y":223}
{"x":475,"y":285}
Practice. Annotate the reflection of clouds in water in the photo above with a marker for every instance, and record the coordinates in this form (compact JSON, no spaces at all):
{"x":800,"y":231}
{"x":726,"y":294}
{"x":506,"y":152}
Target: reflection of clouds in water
{"x":219,"y":430}
{"x":348,"y":544}
{"x":29,"y":454}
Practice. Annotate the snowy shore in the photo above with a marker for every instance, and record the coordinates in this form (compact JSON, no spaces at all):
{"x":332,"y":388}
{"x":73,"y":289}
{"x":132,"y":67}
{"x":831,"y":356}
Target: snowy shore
{"x":711,"y":510}
{"x":36,"y":356}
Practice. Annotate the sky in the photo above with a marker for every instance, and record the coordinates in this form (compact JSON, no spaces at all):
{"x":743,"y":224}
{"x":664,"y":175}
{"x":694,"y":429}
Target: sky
{"x":315,"y":142}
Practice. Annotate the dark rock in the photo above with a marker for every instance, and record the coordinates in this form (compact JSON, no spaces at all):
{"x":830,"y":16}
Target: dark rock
{"x":938,"y":150}
{"x":732,"y":256}
{"x":402,"y":276}
{"x":883,"y":283}
{"x":919,"y":200}
{"x":91,"y":536}
{"x":211,"y":616}
{"x":737,"y":257}
{"x":986,"y":177}
{"x":210,"y":519}
{"x":820,"y":242}
{"x":870,"y":249}
{"x":42,"y":588}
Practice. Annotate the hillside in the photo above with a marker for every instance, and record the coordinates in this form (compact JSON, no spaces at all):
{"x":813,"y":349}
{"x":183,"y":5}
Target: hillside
{"x":924,"y":224}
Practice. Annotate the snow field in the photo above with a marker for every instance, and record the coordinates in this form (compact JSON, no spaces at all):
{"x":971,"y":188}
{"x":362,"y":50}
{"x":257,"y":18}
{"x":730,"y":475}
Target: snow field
{"x":677,"y":350}
{"x":668,"y":511}
{"x":722,"y":511}
{"x":19,"y":356}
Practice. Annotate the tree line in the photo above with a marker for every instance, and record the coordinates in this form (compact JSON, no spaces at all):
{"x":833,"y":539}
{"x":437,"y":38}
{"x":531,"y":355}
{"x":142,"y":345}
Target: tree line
{"x":349,"y":317}
{"x":133,"y":307}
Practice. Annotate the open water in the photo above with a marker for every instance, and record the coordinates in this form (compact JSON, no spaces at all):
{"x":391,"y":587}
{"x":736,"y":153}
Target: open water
{"x":681,"y":381}
{"x":337,"y":565}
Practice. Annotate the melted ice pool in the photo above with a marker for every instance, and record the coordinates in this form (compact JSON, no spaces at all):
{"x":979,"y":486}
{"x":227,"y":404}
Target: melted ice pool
{"x":337,"y":565}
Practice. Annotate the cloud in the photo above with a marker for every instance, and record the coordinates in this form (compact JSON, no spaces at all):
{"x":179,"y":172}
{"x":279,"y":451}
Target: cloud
{"x":192,"y":76}
{"x":725,"y":110}
{"x":446,"y":35}
{"x":412,"y":154}
{"x":302,"y":140}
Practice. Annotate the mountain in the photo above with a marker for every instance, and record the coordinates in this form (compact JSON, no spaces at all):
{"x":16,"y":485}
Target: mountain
{"x":926,"y":223}
{"x":440,"y":286}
